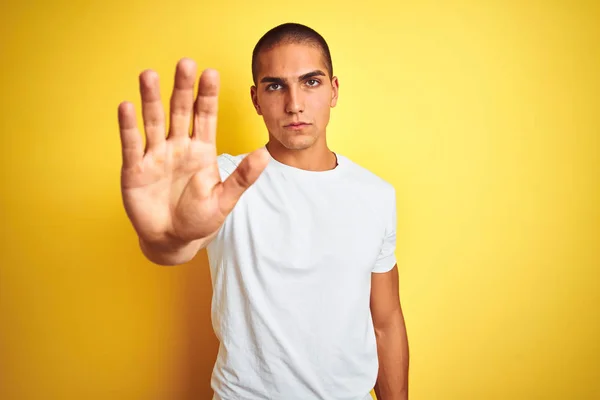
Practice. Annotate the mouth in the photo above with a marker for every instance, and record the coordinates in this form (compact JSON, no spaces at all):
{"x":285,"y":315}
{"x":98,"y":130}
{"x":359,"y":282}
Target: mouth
{"x":297,"y":125}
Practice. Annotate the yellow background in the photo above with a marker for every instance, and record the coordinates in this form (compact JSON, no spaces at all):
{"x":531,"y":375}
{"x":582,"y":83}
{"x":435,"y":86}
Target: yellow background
{"x":484,"y":115}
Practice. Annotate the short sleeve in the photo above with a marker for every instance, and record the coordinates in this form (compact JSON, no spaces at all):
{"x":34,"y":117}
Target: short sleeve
{"x":387,"y":257}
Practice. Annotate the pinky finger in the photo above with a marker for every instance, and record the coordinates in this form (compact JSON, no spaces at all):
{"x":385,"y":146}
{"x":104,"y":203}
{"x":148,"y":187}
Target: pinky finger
{"x":131,"y":140}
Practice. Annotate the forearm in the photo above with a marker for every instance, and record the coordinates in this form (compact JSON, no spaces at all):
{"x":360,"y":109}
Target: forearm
{"x":393,"y":354}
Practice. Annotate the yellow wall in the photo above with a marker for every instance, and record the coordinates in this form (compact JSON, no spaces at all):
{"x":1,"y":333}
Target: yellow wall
{"x":484,"y":115}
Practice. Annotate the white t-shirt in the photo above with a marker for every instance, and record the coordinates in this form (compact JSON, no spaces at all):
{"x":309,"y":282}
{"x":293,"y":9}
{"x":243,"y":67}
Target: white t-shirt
{"x":291,"y":273}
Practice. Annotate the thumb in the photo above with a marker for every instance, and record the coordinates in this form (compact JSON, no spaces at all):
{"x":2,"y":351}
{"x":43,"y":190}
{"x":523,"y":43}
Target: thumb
{"x":246,"y":173}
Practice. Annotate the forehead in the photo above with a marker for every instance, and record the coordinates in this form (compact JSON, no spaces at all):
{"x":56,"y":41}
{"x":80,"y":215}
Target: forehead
{"x":290,"y":60}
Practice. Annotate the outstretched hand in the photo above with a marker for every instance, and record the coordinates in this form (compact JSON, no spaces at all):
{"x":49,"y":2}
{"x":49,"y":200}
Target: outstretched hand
{"x":172,"y":190}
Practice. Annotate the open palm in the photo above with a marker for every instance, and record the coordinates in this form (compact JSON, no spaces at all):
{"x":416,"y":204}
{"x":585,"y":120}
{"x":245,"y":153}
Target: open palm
{"x":171,"y":189}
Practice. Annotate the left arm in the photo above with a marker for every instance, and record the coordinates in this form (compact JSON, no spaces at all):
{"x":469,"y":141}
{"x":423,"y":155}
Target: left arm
{"x":390,"y":331}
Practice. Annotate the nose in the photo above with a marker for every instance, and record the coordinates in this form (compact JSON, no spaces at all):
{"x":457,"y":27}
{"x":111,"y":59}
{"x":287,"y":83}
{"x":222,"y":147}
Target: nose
{"x":294,"y":102}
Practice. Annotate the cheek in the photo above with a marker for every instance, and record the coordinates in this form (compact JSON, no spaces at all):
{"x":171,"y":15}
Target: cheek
{"x":267,"y":109}
{"x":271,"y":114}
{"x":271,"y":104}
{"x":272,"y":117}
{"x":321,"y":106}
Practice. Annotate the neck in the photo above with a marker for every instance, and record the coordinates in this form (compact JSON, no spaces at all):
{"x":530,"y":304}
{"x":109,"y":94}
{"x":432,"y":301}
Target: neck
{"x":315,"y":158}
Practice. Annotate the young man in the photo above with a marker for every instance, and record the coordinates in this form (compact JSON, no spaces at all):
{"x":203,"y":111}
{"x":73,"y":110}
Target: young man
{"x":300,"y":239}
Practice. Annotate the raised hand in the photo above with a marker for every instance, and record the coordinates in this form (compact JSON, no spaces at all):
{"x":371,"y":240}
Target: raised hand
{"x":172,"y":190}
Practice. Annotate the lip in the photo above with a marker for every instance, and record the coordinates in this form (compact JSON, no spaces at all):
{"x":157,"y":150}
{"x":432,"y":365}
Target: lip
{"x":296,"y":125}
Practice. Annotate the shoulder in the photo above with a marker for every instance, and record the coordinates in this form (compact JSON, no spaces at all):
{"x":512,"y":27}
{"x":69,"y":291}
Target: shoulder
{"x":374,"y":192}
{"x":367,"y":179}
{"x":226,"y":160}
{"x":228,"y":163}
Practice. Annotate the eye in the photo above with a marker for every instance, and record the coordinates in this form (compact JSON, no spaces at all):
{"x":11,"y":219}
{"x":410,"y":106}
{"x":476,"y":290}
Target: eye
{"x":272,"y":86}
{"x":312,"y":82}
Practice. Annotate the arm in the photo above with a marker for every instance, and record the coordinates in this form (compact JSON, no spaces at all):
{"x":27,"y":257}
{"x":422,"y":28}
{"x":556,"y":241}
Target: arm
{"x":392,"y":341}
{"x":171,"y":186}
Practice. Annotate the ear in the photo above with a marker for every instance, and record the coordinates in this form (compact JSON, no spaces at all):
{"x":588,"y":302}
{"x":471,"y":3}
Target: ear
{"x":335,"y":88}
{"x":254,"y":96}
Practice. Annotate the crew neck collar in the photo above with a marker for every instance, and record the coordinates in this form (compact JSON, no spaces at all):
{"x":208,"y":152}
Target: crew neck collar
{"x":330,"y":173}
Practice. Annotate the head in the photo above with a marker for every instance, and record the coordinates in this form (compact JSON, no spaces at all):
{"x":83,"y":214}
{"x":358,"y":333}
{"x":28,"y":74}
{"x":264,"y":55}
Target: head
{"x":294,"y":87}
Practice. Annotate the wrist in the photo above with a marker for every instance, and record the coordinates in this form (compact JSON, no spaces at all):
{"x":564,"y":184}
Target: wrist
{"x":168,"y":251}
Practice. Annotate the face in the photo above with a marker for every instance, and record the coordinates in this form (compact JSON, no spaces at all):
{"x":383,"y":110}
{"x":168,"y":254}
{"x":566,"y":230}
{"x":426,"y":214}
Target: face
{"x":294,"y":94}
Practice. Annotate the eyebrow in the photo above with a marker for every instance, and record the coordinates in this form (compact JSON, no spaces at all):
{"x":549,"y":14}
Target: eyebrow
{"x":281,"y":81}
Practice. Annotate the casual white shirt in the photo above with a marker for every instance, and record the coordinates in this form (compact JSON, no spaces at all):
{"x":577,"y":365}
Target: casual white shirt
{"x":291,"y":274}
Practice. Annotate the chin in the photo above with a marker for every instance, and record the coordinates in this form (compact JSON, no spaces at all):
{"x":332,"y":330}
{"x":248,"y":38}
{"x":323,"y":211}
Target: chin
{"x":299,"y":142}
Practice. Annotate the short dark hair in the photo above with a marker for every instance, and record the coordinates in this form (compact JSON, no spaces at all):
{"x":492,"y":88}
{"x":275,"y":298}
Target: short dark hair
{"x":291,"y":32}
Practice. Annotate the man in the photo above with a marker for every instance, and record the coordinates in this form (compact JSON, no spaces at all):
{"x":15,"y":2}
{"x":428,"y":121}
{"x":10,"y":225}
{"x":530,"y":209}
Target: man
{"x":300,"y":239}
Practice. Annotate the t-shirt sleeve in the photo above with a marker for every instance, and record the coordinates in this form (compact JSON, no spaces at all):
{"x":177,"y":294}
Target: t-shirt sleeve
{"x":387,"y":257}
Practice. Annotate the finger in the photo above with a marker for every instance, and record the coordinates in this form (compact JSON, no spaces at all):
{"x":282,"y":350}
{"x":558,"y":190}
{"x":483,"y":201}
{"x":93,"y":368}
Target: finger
{"x":131,"y":140}
{"x":152,"y":109}
{"x":182,"y":99}
{"x":206,"y":107}
{"x":246,"y":173}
